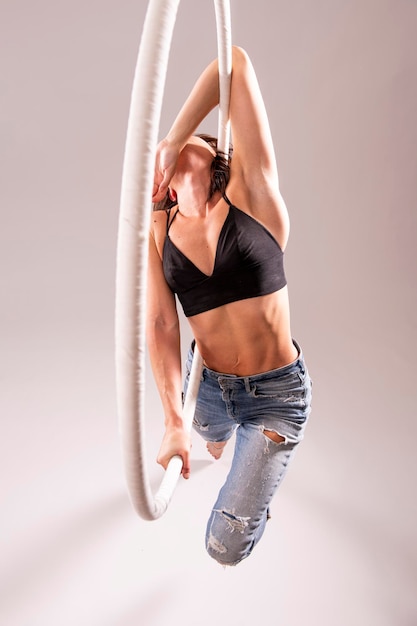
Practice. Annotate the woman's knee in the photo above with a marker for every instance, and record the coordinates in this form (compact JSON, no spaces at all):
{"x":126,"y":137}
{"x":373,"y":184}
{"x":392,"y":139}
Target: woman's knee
{"x":231,"y":538}
{"x":223,"y":553}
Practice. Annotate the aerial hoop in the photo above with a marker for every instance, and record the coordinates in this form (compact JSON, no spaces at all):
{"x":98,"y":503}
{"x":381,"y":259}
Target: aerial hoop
{"x":132,"y":245}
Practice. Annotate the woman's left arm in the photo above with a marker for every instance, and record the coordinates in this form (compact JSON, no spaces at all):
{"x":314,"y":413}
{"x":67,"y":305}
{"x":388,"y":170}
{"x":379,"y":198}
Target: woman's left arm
{"x":253,"y":150}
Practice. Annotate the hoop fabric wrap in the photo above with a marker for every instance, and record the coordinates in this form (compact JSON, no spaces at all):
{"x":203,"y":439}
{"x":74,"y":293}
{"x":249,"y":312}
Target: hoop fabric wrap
{"x":132,"y":246}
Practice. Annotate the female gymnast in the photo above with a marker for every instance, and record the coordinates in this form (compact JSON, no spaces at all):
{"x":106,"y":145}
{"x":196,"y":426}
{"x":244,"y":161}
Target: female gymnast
{"x":217,"y":240}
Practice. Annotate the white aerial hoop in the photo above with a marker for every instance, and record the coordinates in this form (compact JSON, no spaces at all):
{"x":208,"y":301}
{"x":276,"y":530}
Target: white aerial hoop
{"x":132,"y":245}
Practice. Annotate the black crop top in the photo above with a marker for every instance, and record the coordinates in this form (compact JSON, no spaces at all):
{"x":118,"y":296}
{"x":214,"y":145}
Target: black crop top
{"x":248,"y":263}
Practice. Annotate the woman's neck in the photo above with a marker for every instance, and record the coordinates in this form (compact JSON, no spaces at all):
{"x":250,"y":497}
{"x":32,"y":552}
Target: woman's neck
{"x":193,"y":202}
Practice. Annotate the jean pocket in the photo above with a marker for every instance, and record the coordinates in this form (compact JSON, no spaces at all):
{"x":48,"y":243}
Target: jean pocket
{"x":289,"y":390}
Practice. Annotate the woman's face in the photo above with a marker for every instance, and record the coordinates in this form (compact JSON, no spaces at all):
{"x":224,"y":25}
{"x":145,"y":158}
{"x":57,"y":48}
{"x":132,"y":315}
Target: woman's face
{"x":196,"y":156}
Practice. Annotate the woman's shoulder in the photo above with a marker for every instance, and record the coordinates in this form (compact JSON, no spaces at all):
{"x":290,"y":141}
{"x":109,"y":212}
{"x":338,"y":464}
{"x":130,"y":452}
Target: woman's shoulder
{"x":158,"y":228}
{"x":264,"y":203}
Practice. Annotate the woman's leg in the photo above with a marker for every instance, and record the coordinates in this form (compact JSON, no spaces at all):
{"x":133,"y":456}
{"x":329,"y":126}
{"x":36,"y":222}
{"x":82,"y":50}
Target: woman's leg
{"x":239,"y":515}
{"x":270,"y":411}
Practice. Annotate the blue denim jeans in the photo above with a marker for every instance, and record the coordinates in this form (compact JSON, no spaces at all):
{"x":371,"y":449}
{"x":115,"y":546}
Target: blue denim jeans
{"x":278,"y":401}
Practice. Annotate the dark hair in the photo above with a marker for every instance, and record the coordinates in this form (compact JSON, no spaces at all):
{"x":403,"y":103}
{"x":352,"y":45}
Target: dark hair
{"x":219,"y":174}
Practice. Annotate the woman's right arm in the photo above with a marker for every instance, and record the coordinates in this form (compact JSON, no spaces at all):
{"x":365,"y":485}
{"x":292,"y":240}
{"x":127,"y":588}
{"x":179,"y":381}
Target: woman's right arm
{"x":163,"y":339}
{"x":203,"y":98}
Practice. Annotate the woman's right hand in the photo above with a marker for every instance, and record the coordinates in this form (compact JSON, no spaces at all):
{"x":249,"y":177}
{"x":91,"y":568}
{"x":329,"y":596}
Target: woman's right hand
{"x":165,"y":164}
{"x":176,"y":441}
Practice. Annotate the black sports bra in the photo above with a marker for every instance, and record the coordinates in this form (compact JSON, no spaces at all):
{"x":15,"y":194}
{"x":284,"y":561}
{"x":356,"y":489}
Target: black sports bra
{"x":248,"y":263}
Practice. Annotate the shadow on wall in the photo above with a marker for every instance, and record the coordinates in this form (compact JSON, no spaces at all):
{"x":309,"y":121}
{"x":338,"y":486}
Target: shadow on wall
{"x":68,"y":542}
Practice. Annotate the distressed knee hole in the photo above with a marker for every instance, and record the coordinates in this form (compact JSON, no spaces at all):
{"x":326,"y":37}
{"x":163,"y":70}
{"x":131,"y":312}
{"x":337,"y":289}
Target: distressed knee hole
{"x":274,"y":436}
{"x":235,"y":522}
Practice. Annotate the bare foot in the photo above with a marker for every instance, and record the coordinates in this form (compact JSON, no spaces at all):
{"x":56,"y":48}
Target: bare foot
{"x":216,"y":448}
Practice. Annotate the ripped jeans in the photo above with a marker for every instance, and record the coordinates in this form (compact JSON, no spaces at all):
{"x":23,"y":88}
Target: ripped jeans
{"x":278,"y":401}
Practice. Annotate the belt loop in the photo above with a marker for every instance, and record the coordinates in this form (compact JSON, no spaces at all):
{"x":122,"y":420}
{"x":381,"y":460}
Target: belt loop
{"x":247,"y":384}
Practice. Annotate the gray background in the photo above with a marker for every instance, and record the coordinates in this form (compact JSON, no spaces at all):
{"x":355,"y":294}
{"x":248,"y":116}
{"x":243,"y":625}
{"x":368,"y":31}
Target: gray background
{"x":339,"y":81}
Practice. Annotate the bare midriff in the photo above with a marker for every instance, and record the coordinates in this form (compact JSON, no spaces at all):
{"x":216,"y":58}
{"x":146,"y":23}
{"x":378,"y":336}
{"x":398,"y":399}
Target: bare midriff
{"x":246,"y":337}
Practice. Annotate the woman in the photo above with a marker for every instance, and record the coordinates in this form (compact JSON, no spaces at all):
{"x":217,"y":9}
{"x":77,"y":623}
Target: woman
{"x":220,"y":248}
